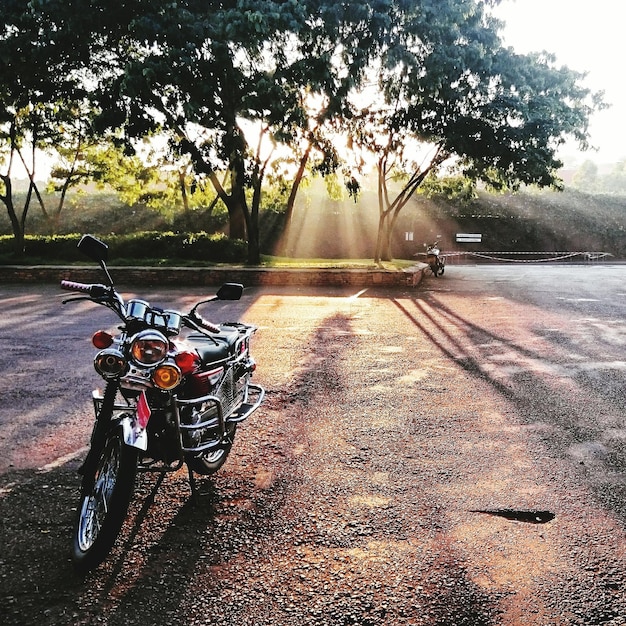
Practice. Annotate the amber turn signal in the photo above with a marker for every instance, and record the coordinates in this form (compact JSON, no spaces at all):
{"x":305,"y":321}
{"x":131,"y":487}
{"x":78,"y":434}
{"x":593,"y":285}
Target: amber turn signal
{"x":166,"y":376}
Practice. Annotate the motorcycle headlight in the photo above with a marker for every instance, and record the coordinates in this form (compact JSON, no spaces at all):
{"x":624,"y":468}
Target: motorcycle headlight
{"x":166,"y":376}
{"x":110,"y":363}
{"x":149,"y":347}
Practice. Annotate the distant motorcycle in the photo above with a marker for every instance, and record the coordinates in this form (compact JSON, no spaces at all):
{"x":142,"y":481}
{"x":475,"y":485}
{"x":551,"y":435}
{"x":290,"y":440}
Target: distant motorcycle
{"x":167,"y":401}
{"x":436,"y":262}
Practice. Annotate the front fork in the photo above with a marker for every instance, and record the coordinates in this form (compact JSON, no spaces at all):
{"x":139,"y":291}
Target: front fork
{"x":99,"y":434}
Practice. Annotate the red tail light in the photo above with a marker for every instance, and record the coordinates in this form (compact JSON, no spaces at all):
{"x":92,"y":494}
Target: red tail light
{"x":101,"y":339}
{"x":202,"y":383}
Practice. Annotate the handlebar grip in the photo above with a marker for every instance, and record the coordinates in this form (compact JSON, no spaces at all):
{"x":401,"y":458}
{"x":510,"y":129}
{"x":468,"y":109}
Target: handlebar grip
{"x":212,"y":328}
{"x":70,"y":285}
{"x":94,"y":291}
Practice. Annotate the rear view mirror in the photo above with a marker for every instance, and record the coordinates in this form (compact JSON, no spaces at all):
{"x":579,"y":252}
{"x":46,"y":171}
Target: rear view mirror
{"x":229,"y":291}
{"x":93,"y":248}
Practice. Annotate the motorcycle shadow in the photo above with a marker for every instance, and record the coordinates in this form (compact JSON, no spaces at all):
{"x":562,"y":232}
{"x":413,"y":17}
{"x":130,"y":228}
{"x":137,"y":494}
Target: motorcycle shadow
{"x":171,"y":538}
{"x":37,"y":511}
{"x":167,"y":536}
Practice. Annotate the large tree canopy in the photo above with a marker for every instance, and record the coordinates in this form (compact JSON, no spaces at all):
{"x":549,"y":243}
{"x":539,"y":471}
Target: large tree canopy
{"x":200,"y":70}
{"x":451,"y":93}
{"x":211,"y":76}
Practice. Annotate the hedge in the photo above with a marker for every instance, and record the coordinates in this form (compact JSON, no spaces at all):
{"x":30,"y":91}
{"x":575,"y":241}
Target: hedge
{"x":166,"y":246}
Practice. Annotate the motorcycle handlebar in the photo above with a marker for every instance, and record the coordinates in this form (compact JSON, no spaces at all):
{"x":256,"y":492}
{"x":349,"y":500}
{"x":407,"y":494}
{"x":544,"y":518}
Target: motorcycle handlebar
{"x":94,"y":291}
{"x":70,"y":285}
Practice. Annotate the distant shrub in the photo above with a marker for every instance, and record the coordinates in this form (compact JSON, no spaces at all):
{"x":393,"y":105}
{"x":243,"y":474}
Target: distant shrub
{"x":166,"y":247}
{"x":52,"y":248}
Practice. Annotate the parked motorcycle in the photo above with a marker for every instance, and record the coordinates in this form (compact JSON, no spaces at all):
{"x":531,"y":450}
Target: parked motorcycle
{"x":169,"y":400}
{"x":434,"y":259}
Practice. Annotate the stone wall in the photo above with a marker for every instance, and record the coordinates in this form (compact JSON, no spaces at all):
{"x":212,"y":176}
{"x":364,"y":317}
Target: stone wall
{"x":181,"y":276}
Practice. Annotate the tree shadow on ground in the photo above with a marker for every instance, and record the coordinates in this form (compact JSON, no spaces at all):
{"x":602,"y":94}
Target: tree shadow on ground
{"x":578,"y":414}
{"x":266,"y":543}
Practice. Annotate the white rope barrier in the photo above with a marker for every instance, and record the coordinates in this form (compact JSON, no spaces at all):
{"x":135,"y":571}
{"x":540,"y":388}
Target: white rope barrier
{"x":551,"y":256}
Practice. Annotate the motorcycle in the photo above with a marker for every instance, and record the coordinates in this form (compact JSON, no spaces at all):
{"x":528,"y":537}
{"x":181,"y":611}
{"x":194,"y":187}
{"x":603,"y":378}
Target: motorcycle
{"x":434,"y":259}
{"x":169,"y":400}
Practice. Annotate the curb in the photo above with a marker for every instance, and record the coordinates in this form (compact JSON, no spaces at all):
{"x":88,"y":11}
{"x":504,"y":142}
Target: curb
{"x":186,"y":276}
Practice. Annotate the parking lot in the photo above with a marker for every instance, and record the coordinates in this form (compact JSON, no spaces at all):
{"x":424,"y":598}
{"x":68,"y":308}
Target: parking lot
{"x":450,"y":454}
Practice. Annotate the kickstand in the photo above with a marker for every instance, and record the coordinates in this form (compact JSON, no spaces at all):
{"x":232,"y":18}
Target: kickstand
{"x":192,"y":485}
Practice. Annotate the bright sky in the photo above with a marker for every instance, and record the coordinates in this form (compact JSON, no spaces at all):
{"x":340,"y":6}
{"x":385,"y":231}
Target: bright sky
{"x":587,"y":37}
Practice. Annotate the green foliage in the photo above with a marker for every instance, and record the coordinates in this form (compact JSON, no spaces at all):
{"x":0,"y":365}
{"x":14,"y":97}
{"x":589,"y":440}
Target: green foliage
{"x":451,"y":91}
{"x":392,"y":76}
{"x":51,"y":248}
{"x":136,"y":247}
{"x":458,"y":188}
{"x":588,"y":178}
{"x":42,"y":93}
{"x":615,"y":181}
{"x":168,"y":245}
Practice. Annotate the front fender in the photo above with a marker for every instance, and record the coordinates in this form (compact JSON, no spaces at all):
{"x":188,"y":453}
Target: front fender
{"x":134,"y":434}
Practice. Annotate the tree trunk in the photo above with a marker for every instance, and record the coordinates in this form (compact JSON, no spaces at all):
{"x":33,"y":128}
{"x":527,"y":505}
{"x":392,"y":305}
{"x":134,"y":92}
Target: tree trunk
{"x":16,"y":224}
{"x":235,"y":201}
{"x":379,"y":253}
{"x":285,"y":239}
{"x":385,"y":253}
{"x":296,"y":184}
{"x":254,"y":244}
{"x":236,"y":221}
{"x":183,"y":192}
{"x":238,"y":217}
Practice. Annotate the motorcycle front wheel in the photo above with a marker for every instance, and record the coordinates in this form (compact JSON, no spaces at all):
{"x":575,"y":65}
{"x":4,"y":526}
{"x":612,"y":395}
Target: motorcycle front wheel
{"x":105,"y":496}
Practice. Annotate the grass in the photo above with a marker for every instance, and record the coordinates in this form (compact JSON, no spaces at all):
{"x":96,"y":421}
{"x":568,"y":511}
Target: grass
{"x":368,"y":264}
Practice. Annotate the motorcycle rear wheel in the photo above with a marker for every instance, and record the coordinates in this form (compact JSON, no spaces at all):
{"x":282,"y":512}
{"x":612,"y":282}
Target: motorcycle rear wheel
{"x":105,"y":496}
{"x":210,"y":462}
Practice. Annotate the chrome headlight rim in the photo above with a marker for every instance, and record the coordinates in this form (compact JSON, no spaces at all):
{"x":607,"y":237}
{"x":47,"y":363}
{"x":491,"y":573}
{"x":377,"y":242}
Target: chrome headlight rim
{"x":149,"y":348}
{"x":110,"y":363}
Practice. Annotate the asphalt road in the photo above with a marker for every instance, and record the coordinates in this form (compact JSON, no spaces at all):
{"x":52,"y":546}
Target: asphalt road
{"x":451,"y":454}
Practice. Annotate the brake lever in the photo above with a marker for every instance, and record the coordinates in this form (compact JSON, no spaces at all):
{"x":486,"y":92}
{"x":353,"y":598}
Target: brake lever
{"x":102,"y":299}
{"x":75,"y":299}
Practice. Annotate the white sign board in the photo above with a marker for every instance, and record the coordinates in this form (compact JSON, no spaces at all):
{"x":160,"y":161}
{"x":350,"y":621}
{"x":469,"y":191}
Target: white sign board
{"x":469,"y":237}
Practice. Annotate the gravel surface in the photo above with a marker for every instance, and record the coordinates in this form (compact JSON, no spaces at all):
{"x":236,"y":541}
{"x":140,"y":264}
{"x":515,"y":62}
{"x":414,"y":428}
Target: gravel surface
{"x":423,"y":457}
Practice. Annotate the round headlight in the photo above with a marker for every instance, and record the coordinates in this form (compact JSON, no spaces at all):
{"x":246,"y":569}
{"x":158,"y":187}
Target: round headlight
{"x":149,"y":347}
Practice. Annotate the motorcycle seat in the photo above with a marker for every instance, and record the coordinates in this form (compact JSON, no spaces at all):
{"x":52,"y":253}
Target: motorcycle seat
{"x":216,"y":347}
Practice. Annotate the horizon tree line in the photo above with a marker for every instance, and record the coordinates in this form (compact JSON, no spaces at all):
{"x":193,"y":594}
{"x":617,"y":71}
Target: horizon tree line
{"x":241,"y":93}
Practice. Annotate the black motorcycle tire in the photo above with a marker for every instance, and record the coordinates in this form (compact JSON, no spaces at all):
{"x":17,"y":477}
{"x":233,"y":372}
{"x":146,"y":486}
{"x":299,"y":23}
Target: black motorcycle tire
{"x":208,"y":463}
{"x":105,"y":497}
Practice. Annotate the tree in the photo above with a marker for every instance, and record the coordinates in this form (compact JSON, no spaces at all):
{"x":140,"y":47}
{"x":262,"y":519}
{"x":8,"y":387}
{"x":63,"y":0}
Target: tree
{"x":453,"y":94}
{"x":39,"y":86}
{"x":19,"y":126}
{"x":211,"y":76}
{"x":615,"y":181}
{"x":586,"y":176}
{"x":201,"y":71}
